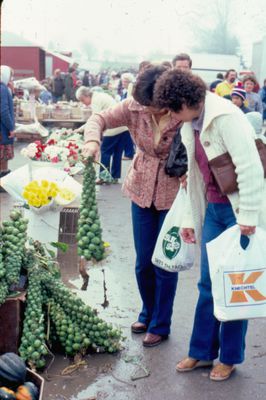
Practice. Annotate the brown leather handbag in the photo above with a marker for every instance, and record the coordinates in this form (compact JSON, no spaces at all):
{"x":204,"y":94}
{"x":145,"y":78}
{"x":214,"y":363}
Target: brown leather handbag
{"x":223,"y":169}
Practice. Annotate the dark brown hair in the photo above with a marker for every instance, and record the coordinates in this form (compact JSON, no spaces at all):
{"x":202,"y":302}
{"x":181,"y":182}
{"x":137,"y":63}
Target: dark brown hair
{"x":182,"y":57}
{"x":143,"y":65}
{"x":228,"y":72}
{"x":143,"y":89}
{"x":176,"y":88}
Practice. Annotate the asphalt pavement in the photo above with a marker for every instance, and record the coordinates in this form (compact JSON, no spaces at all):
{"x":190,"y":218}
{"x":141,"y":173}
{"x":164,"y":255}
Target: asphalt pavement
{"x":138,"y":373}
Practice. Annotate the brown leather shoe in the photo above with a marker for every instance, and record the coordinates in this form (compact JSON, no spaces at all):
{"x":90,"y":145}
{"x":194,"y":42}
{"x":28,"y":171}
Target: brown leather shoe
{"x":138,"y":327}
{"x":152,"y":340}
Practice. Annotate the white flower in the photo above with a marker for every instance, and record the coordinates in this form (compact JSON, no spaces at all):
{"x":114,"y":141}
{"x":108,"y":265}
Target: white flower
{"x":52,"y":151}
{"x":30,"y":151}
{"x":55,"y":136}
{"x":24,"y":152}
{"x":64,"y":154}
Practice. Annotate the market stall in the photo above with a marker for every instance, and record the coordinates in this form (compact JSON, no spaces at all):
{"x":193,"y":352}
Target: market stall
{"x":60,"y":115}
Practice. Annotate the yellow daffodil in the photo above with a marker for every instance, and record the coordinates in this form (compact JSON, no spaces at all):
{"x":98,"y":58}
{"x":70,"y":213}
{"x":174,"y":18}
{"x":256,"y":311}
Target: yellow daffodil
{"x":40,"y":193}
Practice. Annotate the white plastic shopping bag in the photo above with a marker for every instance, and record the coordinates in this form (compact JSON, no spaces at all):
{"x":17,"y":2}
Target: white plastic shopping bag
{"x":238,"y":275}
{"x":171,"y":253}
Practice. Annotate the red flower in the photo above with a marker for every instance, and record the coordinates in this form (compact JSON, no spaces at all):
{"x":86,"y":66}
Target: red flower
{"x":51,"y":142}
{"x":72,"y":145}
{"x":55,"y":159}
{"x":40,"y":145}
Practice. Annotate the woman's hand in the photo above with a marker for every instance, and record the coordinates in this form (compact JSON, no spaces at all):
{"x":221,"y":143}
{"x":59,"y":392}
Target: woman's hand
{"x":188,"y":235}
{"x":91,"y":149}
{"x":247,"y":230}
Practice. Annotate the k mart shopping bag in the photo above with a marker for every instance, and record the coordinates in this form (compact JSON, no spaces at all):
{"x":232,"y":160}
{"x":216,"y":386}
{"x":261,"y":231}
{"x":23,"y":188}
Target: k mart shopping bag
{"x":238,"y":275}
{"x":171,"y":253}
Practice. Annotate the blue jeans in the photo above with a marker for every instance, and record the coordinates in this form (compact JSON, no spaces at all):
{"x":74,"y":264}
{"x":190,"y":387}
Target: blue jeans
{"x":56,"y":98}
{"x":211,"y":337}
{"x":112,"y":148}
{"x":157,"y":287}
{"x":129,"y":148}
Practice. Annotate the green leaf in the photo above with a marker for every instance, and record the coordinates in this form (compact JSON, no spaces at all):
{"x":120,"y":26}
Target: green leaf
{"x":60,"y":245}
{"x":51,"y":253}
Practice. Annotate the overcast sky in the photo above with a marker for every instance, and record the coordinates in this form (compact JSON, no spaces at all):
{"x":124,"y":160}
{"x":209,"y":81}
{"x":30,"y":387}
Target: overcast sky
{"x":127,"y":26}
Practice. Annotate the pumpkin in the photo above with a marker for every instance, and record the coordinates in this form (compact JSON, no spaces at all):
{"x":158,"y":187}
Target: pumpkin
{"x":7,"y":394}
{"x":28,"y":391}
{"x":12,"y":368}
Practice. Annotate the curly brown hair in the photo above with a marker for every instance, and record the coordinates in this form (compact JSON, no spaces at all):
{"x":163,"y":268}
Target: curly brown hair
{"x":144,"y":87}
{"x":176,"y":88}
{"x":249,"y":78}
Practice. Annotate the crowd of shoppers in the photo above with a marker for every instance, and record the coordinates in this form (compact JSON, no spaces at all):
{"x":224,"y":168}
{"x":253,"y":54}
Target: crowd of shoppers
{"x":166,"y":102}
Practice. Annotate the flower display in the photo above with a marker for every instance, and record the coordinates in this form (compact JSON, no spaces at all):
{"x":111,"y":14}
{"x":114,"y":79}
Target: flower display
{"x":61,"y":147}
{"x":40,"y":193}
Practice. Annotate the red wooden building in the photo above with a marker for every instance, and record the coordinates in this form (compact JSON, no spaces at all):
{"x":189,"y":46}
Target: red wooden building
{"x":27,"y":59}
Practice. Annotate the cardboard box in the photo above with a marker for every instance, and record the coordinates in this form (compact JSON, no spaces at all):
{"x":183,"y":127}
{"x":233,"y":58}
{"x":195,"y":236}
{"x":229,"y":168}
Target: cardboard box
{"x":37,"y":380}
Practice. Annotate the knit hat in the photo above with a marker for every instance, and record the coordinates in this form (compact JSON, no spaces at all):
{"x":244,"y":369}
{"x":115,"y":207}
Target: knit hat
{"x":237,"y":91}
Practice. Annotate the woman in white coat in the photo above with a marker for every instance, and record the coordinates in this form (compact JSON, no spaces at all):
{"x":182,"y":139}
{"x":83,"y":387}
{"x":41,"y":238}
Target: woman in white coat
{"x":213,"y":126}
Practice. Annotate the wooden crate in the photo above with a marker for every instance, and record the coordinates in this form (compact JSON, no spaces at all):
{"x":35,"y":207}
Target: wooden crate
{"x":11,"y":317}
{"x":28,"y":137}
{"x":68,"y":224}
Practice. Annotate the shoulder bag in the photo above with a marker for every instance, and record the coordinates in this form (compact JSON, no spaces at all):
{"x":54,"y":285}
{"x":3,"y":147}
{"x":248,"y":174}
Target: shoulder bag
{"x":223,"y":169}
{"x":176,"y":163}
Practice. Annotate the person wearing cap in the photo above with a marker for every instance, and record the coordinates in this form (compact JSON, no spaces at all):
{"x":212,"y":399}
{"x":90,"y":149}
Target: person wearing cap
{"x":238,"y":97}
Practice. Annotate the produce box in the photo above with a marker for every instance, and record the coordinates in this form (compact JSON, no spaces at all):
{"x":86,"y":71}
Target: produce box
{"x":76,"y":112}
{"x":68,"y":224}
{"x":37,"y":380}
{"x":11,"y":315}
